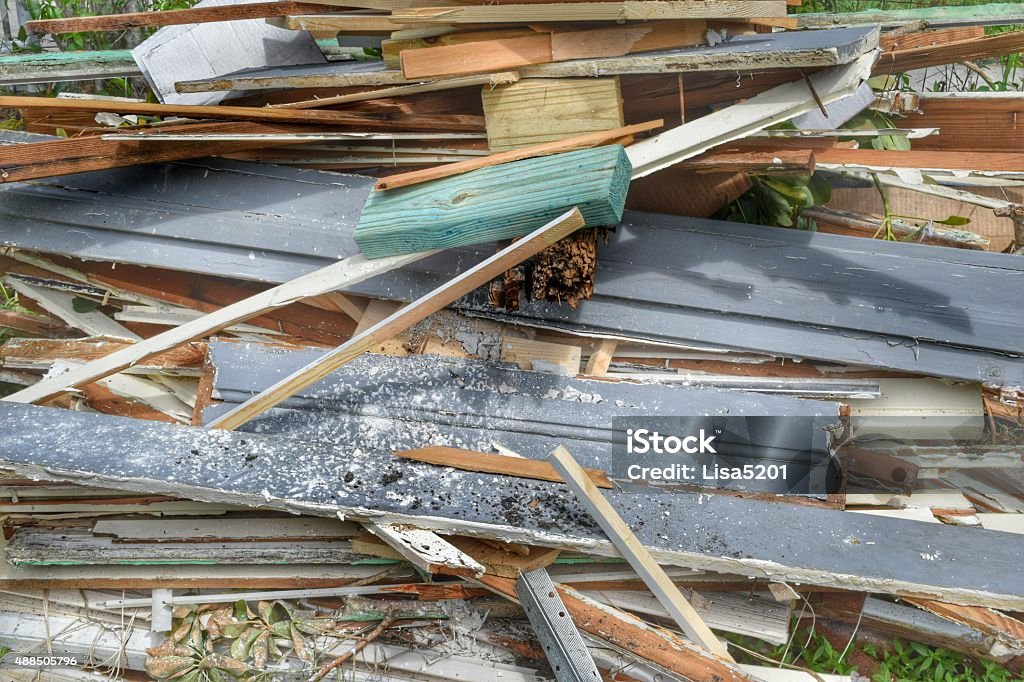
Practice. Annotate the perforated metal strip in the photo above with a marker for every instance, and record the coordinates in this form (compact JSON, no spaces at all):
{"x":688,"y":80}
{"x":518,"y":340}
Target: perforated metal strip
{"x":562,"y":642}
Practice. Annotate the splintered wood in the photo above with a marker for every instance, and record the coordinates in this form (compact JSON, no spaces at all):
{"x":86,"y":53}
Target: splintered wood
{"x":564,"y":273}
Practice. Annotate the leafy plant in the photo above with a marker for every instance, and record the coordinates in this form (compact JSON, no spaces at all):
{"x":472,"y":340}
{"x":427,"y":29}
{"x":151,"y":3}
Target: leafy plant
{"x":214,"y":643}
{"x":778,"y":201}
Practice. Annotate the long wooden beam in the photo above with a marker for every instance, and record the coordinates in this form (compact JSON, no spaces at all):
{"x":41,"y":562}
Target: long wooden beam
{"x":633,"y":551}
{"x":336,"y":276}
{"x":194,"y":15}
{"x":236,"y":113}
{"x":403,"y":319}
{"x":488,"y":462}
{"x":586,"y":141}
{"x":55,"y":157}
{"x":490,"y":79}
{"x":621,"y":10}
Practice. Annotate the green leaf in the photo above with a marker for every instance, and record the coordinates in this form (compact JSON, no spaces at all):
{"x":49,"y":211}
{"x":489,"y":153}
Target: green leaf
{"x":84,"y":305}
{"x":954,"y":220}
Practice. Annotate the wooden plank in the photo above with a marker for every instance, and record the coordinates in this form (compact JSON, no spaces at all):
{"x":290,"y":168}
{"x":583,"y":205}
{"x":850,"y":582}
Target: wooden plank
{"x":779,"y":104}
{"x":426,"y":550}
{"x":542,"y":356}
{"x":348,"y":23}
{"x":214,"y":530}
{"x":977,"y":124}
{"x":959,"y":160}
{"x":418,"y":310}
{"x":895,"y":41}
{"x":938,"y":16}
{"x":80,"y":154}
{"x":639,"y":640}
{"x":490,"y":463}
{"x":490,"y":80}
{"x":541,"y":48}
{"x":326,"y":117}
{"x":536,"y":111}
{"x":336,"y":276}
{"x":194,"y":15}
{"x":601,"y":357}
{"x":1009,"y":631}
{"x":887,"y":559}
{"x":38,"y":354}
{"x":621,"y":10}
{"x":497,"y":202}
{"x":897,"y":61}
{"x":586,"y":141}
{"x":680,"y":610}
{"x":502,"y":559}
{"x":774,"y":162}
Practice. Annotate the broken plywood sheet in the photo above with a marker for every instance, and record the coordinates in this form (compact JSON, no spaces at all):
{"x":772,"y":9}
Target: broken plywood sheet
{"x":206,"y":50}
{"x":728,"y":534}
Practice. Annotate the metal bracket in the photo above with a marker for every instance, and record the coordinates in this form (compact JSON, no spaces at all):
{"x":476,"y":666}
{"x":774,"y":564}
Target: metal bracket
{"x":562,"y":642}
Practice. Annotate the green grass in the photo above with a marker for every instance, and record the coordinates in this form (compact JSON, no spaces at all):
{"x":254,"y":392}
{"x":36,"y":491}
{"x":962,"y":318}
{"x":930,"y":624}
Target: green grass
{"x":901,"y":662}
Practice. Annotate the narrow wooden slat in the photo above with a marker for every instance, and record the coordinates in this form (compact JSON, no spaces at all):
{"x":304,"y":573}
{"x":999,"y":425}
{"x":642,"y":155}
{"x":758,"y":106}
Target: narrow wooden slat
{"x":635,"y":553}
{"x":335,"y":276}
{"x":194,"y":15}
{"x":1008,"y":162}
{"x":490,"y":463}
{"x":541,"y":48}
{"x":225,"y":112}
{"x":80,"y":154}
{"x":587,"y":141}
{"x":403,"y":319}
{"x":491,"y":80}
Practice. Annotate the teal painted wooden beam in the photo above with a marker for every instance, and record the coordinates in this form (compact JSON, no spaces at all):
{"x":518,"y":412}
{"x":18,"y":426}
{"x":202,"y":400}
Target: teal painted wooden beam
{"x":497,"y":202}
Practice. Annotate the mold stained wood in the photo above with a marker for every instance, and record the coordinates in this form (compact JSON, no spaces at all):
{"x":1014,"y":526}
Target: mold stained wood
{"x":801,"y":544}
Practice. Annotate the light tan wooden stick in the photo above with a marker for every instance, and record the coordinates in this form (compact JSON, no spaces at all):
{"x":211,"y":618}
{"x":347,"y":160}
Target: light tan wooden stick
{"x":569,"y":144}
{"x":401,"y":320}
{"x":635,"y":553}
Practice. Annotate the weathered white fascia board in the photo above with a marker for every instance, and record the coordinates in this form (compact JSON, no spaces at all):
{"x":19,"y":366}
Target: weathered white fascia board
{"x":934,"y":190}
{"x":913,"y":175}
{"x":773,"y":106}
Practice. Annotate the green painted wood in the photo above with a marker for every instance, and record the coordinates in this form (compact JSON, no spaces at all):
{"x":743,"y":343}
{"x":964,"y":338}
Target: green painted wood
{"x":993,"y":14}
{"x":498,"y":202}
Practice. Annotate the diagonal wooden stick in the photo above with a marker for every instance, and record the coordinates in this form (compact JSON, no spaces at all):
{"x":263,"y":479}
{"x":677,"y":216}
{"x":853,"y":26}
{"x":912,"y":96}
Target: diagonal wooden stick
{"x":395,"y":324}
{"x":335,"y":276}
{"x":633,"y":551}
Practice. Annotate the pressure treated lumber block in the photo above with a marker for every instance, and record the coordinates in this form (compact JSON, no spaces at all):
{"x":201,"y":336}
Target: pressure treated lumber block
{"x":543,"y":110}
{"x":495,"y":203}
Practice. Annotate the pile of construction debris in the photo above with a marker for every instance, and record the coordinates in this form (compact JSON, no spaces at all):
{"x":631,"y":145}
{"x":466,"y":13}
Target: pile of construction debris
{"x":321,"y":361}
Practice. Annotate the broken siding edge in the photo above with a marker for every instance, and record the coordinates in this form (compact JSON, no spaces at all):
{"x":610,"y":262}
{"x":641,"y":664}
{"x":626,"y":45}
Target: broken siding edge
{"x":753,"y":568}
